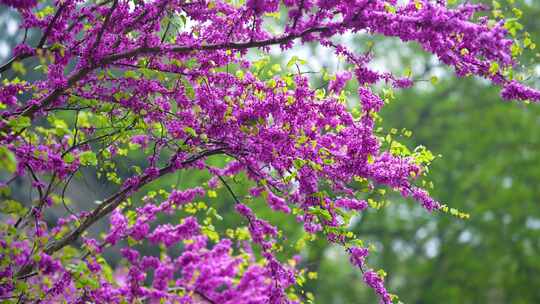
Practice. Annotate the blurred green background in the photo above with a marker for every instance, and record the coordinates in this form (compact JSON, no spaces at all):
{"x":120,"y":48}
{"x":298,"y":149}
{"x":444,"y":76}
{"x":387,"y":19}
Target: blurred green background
{"x":490,"y":168}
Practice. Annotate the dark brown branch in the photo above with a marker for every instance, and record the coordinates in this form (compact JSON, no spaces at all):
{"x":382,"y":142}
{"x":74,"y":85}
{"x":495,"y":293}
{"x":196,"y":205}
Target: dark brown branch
{"x":211,"y":47}
{"x":82,"y":143}
{"x":42,"y":41}
{"x":82,"y":17}
{"x":64,"y":195}
{"x":40,"y":44}
{"x":8,"y":64}
{"x":300,"y":9}
{"x":229,"y":189}
{"x":50,"y":26}
{"x":147,"y":67}
{"x":36,"y":179}
{"x":112,"y":203}
{"x":30,"y":111}
{"x":104,"y":26}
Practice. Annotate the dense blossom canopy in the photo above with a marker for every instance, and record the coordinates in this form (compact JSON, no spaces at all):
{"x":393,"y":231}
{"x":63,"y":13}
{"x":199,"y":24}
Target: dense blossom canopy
{"x":172,"y":79}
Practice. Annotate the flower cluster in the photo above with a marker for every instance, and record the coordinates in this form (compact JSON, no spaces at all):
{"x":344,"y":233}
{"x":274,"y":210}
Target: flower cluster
{"x":374,"y":281}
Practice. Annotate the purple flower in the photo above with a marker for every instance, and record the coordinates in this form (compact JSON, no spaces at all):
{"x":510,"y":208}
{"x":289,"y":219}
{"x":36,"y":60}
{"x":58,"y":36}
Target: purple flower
{"x":23,"y":49}
{"x":339,"y":83}
{"x":20,"y":4}
{"x":516,"y":90}
{"x":374,"y":281}
{"x":277,"y":203}
{"x":170,"y":235}
{"x":358,"y":256}
{"x":370,"y":102}
{"x":263,"y":6}
{"x":351,"y":204}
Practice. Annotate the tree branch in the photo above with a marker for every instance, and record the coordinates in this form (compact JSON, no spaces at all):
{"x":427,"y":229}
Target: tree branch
{"x":104,"y":26}
{"x":30,"y":111}
{"x":110,"y":204}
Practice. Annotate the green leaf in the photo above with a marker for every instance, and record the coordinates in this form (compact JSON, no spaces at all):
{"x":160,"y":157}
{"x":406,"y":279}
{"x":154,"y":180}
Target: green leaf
{"x":7,"y":160}
{"x":295,"y":60}
{"x":18,"y":67}
{"x":12,"y":207}
{"x":131,"y":241}
{"x":131,"y":74}
{"x":493,"y":68}
{"x":320,"y":212}
{"x":20,"y":123}
{"x":88,"y":158}
{"x":190,"y":131}
{"x":69,"y":158}
{"x":299,"y":163}
{"x":21,"y":286}
{"x":46,"y":11}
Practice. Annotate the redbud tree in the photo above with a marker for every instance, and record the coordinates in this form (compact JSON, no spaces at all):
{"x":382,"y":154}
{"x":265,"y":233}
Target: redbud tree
{"x":179,"y":82}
